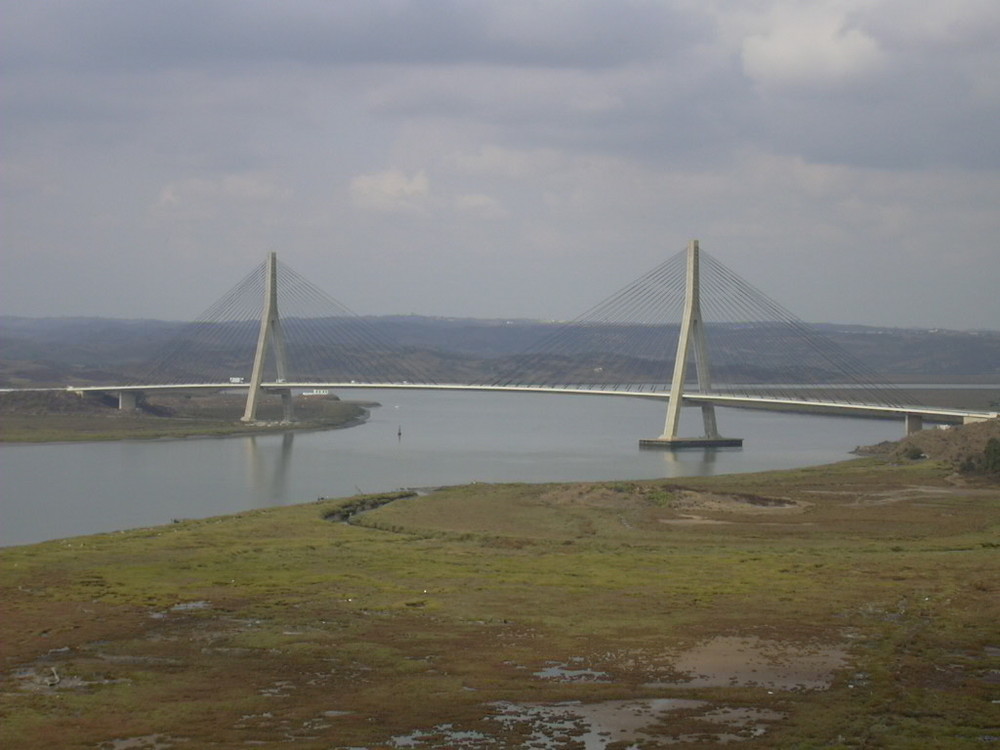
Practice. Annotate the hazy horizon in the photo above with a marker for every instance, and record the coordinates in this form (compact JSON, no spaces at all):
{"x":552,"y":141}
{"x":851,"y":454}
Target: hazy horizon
{"x":510,"y":319}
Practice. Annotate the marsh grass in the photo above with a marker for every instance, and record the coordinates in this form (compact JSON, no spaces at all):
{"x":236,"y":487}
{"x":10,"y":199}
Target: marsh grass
{"x":172,"y":417}
{"x":281,"y":626}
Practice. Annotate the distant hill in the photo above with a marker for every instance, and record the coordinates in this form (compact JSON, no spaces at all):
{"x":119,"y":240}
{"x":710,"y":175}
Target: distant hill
{"x":62,"y":351}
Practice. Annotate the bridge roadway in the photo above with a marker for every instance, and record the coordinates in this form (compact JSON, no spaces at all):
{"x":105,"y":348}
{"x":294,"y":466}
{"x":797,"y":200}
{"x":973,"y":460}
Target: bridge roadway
{"x":913,"y":415}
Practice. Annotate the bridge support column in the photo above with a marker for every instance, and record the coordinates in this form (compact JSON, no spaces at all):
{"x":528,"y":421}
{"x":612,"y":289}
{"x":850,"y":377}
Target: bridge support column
{"x":272,"y":335}
{"x":914,"y":423}
{"x":127,"y":400}
{"x":974,"y":418}
{"x":708,"y":419}
{"x":692,"y":333}
{"x":287,"y":406}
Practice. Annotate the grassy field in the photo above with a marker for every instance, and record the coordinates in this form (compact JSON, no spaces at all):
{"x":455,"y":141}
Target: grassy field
{"x":845,"y":606}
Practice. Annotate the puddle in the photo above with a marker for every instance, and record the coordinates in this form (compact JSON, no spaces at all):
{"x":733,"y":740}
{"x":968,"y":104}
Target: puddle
{"x":51,"y":679}
{"x":603,"y":725}
{"x":279,"y":689}
{"x":743,"y":718}
{"x":443,"y":735}
{"x":133,"y":659}
{"x":563,"y":673}
{"x":731,"y":661}
{"x":147,"y":742}
{"x":595,"y":726}
{"x":723,"y":661}
{"x":188,"y":606}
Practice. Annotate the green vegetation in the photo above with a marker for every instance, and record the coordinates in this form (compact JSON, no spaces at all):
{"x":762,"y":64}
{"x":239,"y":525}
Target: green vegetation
{"x":852,"y":605}
{"x":971,"y":449}
{"x":991,"y":456}
{"x":63,"y":417}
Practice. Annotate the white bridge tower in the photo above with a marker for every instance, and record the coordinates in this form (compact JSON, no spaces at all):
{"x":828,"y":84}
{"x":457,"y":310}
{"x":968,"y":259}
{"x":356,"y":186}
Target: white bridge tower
{"x":270,"y":335}
{"x":692,"y":334}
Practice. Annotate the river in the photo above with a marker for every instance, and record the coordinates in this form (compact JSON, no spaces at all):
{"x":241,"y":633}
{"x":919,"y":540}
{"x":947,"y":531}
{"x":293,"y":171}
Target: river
{"x":415,"y":439}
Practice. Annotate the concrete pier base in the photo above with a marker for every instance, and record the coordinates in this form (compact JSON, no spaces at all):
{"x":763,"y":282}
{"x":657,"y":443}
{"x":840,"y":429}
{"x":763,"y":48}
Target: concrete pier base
{"x":914,"y":423}
{"x":127,"y":400}
{"x":700,"y":442}
{"x":287,"y":406}
{"x":974,"y":418}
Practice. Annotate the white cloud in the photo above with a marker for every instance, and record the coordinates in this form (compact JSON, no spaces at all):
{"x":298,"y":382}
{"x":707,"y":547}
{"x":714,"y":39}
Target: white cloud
{"x":391,"y":191}
{"x":483,"y":206}
{"x":809,"y":46}
{"x":497,"y":161}
{"x":200,"y":197}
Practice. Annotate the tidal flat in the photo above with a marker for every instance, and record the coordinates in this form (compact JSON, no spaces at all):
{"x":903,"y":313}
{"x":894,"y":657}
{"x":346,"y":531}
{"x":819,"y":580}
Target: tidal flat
{"x":850,"y":605}
{"x":68,"y":417}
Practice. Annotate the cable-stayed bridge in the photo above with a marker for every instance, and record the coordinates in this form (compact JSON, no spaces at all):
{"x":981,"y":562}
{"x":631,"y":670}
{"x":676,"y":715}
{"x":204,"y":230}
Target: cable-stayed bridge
{"x":690,"y":332}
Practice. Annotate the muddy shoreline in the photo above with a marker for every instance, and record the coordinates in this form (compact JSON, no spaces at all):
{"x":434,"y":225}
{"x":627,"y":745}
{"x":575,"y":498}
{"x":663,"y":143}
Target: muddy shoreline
{"x":63,"y":418}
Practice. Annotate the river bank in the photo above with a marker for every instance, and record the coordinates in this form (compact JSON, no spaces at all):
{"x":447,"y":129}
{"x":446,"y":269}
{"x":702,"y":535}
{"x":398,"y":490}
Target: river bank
{"x":68,"y":417}
{"x":841,"y":606}
{"x":46,"y":417}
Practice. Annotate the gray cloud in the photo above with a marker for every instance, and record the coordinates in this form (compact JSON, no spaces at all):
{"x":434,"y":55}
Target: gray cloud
{"x":165,"y":34}
{"x":502,"y":158}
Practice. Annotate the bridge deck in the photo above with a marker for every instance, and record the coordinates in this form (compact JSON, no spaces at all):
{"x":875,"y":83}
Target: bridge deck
{"x":844,"y":408}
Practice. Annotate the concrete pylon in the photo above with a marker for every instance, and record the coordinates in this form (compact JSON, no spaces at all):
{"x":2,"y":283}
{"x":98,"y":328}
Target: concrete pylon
{"x":128,"y":400}
{"x":913,"y":423}
{"x":692,"y":334}
{"x":270,"y":335}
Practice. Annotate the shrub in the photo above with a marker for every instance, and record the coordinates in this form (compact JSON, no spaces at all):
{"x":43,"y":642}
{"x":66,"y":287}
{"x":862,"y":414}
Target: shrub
{"x":991,"y":456}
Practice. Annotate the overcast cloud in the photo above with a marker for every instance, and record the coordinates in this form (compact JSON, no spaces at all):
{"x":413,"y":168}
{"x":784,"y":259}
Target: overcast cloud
{"x":503,"y":158}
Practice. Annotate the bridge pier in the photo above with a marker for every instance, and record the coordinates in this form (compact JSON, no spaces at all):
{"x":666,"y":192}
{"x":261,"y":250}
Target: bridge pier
{"x":128,"y":400}
{"x":914,"y":423}
{"x":974,"y":418}
{"x":287,"y":406}
{"x":270,"y":334}
{"x":692,"y":334}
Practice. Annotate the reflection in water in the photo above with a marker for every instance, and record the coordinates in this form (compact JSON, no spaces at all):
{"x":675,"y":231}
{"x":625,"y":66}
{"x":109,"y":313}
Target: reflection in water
{"x":692,"y":461}
{"x":267,"y":480}
{"x":59,"y":490}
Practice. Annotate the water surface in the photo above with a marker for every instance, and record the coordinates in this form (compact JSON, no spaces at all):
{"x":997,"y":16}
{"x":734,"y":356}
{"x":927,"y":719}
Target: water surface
{"x":67,"y":489}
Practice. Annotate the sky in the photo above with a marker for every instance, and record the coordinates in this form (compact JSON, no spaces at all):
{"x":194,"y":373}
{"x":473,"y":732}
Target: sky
{"x":501,"y":158}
